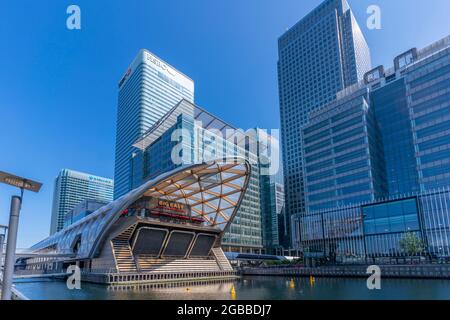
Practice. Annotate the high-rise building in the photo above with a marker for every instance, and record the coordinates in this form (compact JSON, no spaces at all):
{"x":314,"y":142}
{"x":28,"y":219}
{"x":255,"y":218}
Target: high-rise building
{"x":82,"y":210}
{"x":147,"y":91}
{"x":273,"y":213}
{"x":319,"y":56}
{"x":377,"y":161}
{"x":343,"y":154}
{"x":188,"y":134}
{"x":72,"y":188}
{"x":384,"y":137}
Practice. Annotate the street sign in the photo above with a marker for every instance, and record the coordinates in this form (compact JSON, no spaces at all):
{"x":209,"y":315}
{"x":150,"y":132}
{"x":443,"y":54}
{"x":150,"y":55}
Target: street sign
{"x":19,"y":182}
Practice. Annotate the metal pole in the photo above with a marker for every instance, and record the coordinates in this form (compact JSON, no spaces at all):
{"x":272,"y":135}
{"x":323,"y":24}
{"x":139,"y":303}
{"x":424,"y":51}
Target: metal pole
{"x":2,"y":243}
{"x":11,"y":247}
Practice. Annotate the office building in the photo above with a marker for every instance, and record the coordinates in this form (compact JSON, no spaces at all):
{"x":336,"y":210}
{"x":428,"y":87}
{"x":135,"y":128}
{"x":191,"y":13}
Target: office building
{"x":372,"y":232}
{"x":147,"y":91}
{"x":189,"y":134}
{"x":322,"y":54}
{"x":343,"y":154}
{"x":273,"y":203}
{"x":385,"y":139}
{"x":82,"y":210}
{"x":72,"y":188}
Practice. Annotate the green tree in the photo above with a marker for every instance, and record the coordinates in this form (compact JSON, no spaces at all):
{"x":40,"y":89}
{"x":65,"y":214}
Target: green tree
{"x":412,"y":244}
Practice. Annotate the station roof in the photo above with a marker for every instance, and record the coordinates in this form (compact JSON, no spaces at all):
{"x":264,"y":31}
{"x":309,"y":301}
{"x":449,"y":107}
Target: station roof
{"x":213,"y":190}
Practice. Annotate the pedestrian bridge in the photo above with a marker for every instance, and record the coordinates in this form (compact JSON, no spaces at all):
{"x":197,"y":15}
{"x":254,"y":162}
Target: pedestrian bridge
{"x":27,"y":253}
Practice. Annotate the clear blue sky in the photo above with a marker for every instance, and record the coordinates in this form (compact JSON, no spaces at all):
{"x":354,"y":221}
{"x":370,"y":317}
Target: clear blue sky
{"x":58,"y":88}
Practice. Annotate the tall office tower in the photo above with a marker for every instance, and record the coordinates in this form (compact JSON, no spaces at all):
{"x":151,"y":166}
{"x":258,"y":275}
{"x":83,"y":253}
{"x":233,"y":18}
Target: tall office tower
{"x":387,"y":136}
{"x":147,"y":91}
{"x":72,"y":188}
{"x":268,"y":215}
{"x":377,"y":161}
{"x":277,"y":205}
{"x":343,"y":155}
{"x":319,"y":56}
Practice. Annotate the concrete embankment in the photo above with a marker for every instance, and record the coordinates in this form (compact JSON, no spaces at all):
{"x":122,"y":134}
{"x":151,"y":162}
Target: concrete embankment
{"x":387,"y":271}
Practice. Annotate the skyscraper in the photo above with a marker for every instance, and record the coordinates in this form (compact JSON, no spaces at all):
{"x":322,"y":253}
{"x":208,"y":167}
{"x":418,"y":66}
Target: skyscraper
{"x":319,"y":56}
{"x":377,"y":163}
{"x":72,"y":188}
{"x":272,"y":203}
{"x":147,"y":91}
{"x":387,"y":136}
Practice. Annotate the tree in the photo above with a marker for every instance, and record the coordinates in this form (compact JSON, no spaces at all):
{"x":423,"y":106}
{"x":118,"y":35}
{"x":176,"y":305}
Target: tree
{"x":412,"y":244}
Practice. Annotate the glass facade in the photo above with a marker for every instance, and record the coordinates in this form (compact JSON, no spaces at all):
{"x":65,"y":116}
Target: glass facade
{"x":392,"y":115}
{"x":428,"y":84}
{"x":342,"y":152}
{"x":148,"y":90}
{"x":375,"y":229}
{"x":72,"y":188}
{"x":319,"y":56}
{"x":404,"y":134}
{"x":272,"y":195}
{"x":196,"y":143}
{"x":82,"y":210}
{"x":386,"y":223}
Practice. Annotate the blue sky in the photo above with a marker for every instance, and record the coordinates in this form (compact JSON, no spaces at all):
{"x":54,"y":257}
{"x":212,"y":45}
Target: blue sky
{"x":58,"y":88}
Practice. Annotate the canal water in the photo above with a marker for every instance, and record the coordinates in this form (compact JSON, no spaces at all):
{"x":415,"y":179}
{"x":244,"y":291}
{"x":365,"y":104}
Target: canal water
{"x":248,"y":288}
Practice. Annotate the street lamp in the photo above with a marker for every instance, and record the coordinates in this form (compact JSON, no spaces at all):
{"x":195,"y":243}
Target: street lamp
{"x":16,"y":203}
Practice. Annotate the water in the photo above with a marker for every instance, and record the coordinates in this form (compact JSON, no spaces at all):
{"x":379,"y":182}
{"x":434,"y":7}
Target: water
{"x":250,"y":287}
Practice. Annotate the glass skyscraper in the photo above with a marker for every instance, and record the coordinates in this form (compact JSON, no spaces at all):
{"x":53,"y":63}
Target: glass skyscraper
{"x":273,"y":202}
{"x":147,"y":91}
{"x":319,"y":56}
{"x":377,"y":161}
{"x":72,"y":188}
{"x":386,"y":136}
{"x":343,"y":155}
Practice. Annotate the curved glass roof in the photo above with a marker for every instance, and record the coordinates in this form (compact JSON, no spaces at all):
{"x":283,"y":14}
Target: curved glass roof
{"x":213,"y":191}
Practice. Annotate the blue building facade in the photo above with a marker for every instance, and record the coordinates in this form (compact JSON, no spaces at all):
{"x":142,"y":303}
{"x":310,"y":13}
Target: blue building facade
{"x":399,"y":159}
{"x":147,"y":91}
{"x":342,"y":152}
{"x":82,"y":210}
{"x":188,"y":134}
{"x":319,"y":56}
{"x":72,"y":188}
{"x":392,"y":117}
{"x":372,"y":232}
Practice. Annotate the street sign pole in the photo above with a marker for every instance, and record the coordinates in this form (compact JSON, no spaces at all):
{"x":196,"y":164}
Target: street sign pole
{"x":16,"y":204}
{"x":10,"y":258}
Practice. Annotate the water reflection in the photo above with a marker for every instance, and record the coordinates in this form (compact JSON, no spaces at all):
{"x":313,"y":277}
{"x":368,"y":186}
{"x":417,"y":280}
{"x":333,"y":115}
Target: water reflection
{"x":252,"y":288}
